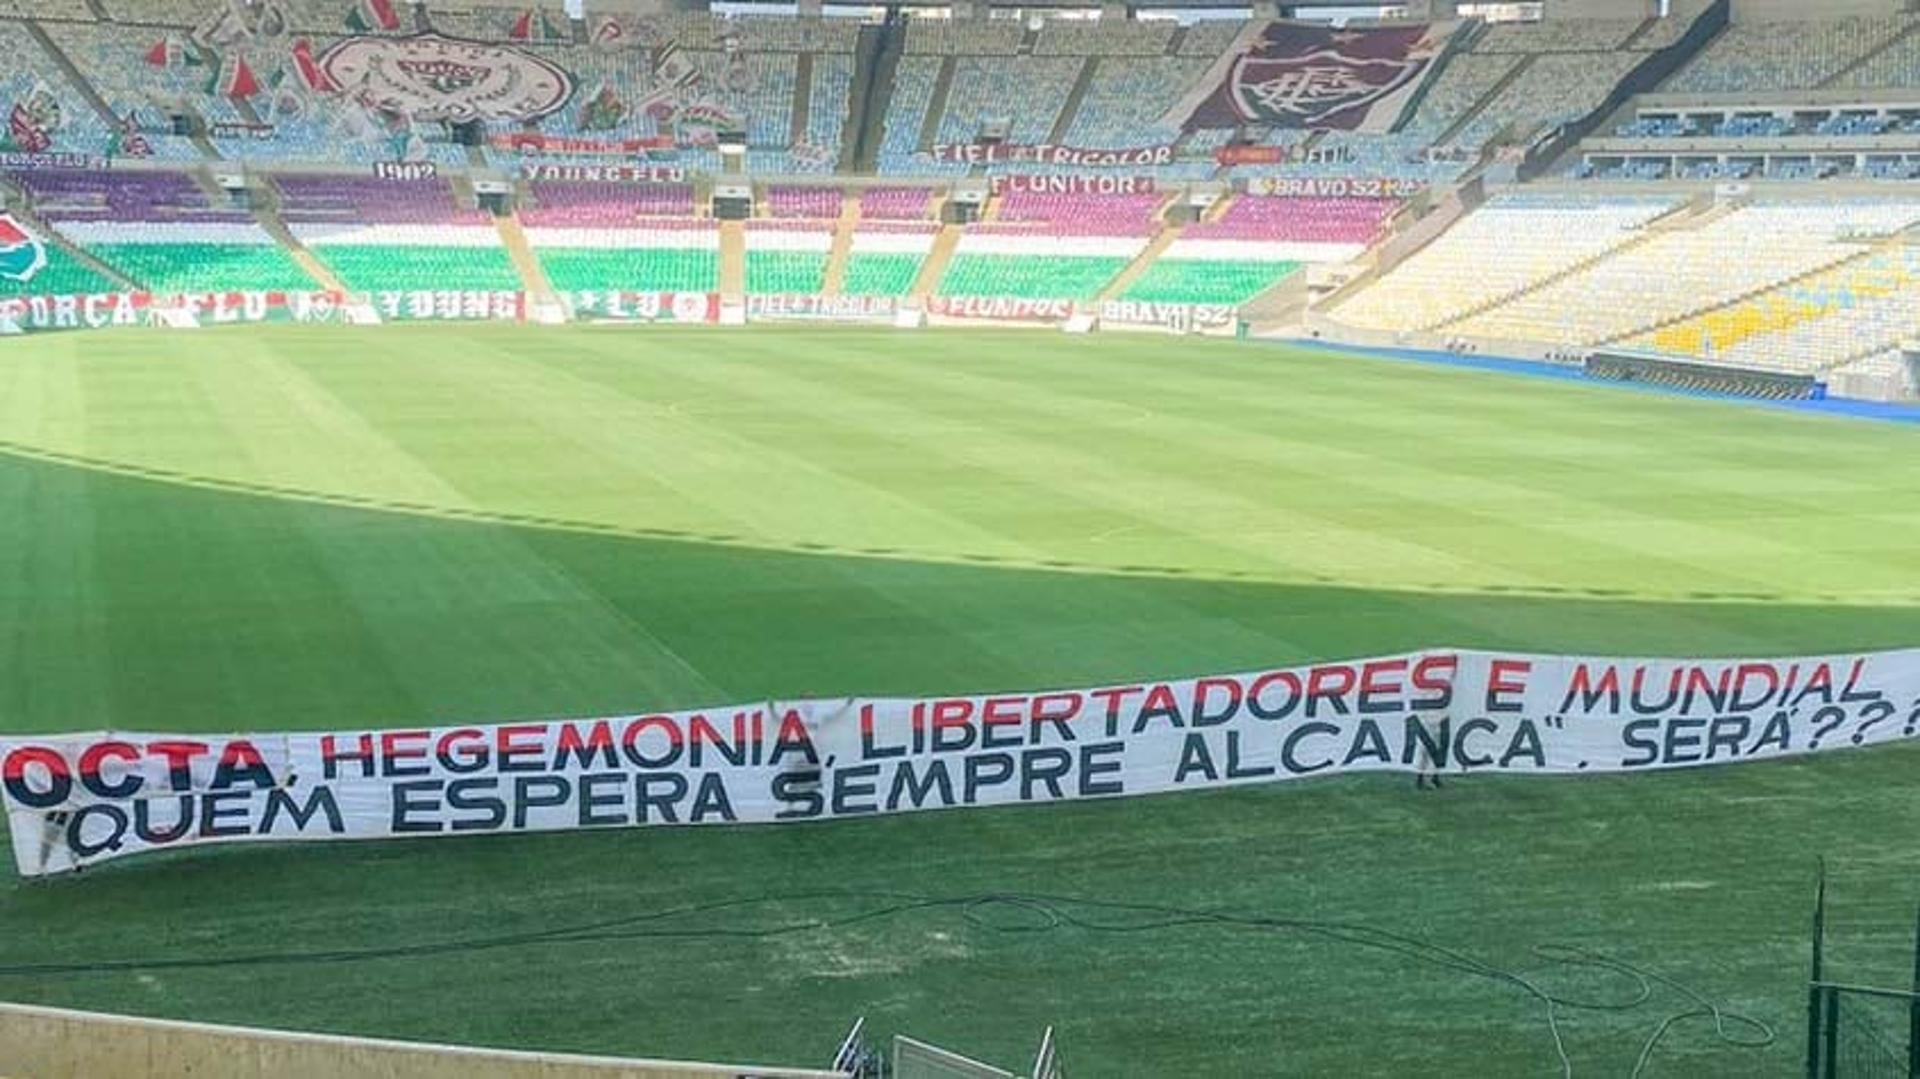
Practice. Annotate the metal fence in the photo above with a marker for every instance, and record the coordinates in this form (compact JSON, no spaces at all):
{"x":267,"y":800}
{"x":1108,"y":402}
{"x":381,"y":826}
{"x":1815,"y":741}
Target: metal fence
{"x":1859,"y":1031}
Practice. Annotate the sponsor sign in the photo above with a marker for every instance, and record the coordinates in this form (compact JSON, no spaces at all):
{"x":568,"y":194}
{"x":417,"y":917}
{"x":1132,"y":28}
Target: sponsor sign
{"x":1008,"y":308}
{"x":431,"y":78}
{"x":1050,"y":154}
{"x":617,"y":306}
{"x":1071,"y":185}
{"x":1310,"y":75}
{"x":1178,"y":317}
{"x":623,"y":174}
{"x":825,"y":308}
{"x":80,"y":799}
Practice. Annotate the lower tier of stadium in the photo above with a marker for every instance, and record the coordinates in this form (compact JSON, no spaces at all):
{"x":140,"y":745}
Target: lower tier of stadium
{"x":331,"y":528}
{"x":1788,"y":283}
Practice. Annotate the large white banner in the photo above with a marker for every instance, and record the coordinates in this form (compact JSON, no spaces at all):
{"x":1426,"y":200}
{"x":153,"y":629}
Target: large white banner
{"x":75,"y":800}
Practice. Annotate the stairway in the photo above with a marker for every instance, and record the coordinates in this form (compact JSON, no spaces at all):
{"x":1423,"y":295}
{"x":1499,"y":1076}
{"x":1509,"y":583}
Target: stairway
{"x":733,"y":258}
{"x":269,"y":218}
{"x":49,"y":234}
{"x":1866,"y":58}
{"x":1687,"y":217}
{"x":1646,"y":26}
{"x":1132,"y":271}
{"x":842,"y":243}
{"x":1071,"y":107}
{"x":937,"y":104}
{"x":532,"y":275}
{"x":1775,"y":286}
{"x":78,"y":81}
{"x":802,"y":98}
{"x":876,"y":59}
{"x":1493,"y":94}
{"x":935,"y":265}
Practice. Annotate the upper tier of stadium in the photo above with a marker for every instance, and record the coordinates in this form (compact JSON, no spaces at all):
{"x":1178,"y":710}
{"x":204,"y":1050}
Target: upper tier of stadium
{"x":1717,"y":181}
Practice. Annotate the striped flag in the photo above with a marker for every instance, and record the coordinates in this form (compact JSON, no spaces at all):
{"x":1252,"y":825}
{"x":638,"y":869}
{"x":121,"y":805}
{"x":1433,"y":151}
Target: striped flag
{"x":368,"y":16}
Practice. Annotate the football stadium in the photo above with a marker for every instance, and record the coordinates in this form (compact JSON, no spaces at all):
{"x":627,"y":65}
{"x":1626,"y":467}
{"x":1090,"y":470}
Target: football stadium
{"x":972,"y":539}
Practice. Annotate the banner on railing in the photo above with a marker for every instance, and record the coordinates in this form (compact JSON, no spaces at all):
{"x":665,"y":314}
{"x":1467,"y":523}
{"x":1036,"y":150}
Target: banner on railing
{"x":1000,"y":308}
{"x":451,"y":305}
{"x":535,"y":142}
{"x":88,"y":311}
{"x":975,"y":153}
{"x":1177,"y":317}
{"x":55,"y":159}
{"x":1071,"y":185}
{"x":811,"y":307}
{"x":406,"y":170}
{"x":614,"y":306}
{"x":1355,"y":187}
{"x":227,"y":308}
{"x":620,"y":174}
{"x":74,"y":800}
{"x":238,"y":130}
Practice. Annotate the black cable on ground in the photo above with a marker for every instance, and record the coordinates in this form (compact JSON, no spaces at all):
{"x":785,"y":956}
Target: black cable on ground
{"x":1033,"y":913}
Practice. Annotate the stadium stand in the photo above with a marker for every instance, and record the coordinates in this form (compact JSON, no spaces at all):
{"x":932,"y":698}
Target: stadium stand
{"x":885,"y":257}
{"x":381,"y":235}
{"x":1126,"y":100}
{"x":818,"y":203}
{"x":787,"y":256}
{"x":590,"y":236}
{"x":1797,"y":55}
{"x":1786,"y":281}
{"x":1257,"y":243}
{"x":1681,"y":271}
{"x":1051,"y":246}
{"x":1862,"y":307}
{"x":1024,"y":93}
{"x":894,"y":203}
{"x":161,"y":231}
{"x":1506,"y":246}
{"x":667,"y":255}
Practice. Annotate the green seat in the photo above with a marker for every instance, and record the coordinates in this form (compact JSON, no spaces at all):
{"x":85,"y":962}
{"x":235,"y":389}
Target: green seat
{"x":191,"y":267}
{"x":632,"y":269}
{"x":880,"y":273}
{"x":399,"y":267}
{"x":1206,"y":280}
{"x":786,"y":271}
{"x":1039,"y":277}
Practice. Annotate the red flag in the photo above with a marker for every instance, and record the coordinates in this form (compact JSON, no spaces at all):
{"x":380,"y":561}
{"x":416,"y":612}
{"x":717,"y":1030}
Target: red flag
{"x":240,"y":81}
{"x":522,"y":26}
{"x":373,"y":15}
{"x":309,"y":70}
{"x":159,"y":54}
{"x":384,"y":15}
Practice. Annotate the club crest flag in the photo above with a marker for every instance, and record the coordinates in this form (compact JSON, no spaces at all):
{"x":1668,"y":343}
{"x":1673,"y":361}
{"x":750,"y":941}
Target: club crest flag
{"x":1301,"y":75}
{"x":21,"y":253}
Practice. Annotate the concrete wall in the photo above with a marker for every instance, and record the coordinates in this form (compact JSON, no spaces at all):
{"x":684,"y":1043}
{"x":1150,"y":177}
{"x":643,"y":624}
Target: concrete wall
{"x":52,"y":1043}
{"x":1790,"y":10}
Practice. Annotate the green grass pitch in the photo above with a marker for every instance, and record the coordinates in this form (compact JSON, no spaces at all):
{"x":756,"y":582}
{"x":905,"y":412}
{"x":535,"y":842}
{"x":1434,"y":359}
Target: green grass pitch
{"x":313,"y":527}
